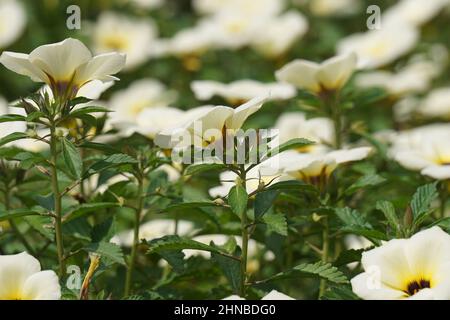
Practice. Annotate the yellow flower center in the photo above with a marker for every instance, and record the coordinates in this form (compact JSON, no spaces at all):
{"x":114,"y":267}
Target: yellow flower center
{"x":116,"y":43}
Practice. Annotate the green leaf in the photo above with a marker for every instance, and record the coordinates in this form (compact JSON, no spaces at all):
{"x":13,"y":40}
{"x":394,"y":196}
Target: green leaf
{"x":43,"y":225}
{"x":365,"y":181}
{"x":72,"y":158}
{"x":348,"y":256}
{"x":103,"y":231}
{"x":12,"y":118}
{"x":175,"y":258}
{"x":292,"y":185}
{"x":351,"y":217}
{"x":276,"y":222}
{"x":189,"y":205}
{"x":178,"y":243}
{"x":86,"y":208}
{"x":107,"y":250}
{"x":315,"y":270}
{"x":237,"y":199}
{"x":231,"y":269}
{"x":86,"y":110}
{"x":339,"y":293}
{"x":98,"y":146}
{"x":421,"y":201}
{"x":296,"y":143}
{"x":389,"y":212}
{"x":17,"y":213}
{"x":13,"y":137}
{"x":203,"y":167}
{"x":264,"y":201}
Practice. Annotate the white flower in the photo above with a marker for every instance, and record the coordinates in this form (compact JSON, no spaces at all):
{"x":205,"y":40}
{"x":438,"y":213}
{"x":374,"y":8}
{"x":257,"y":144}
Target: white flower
{"x":152,"y":230}
{"x":12,"y":21}
{"x":280,"y":33}
{"x":331,"y":74}
{"x":425,"y":149}
{"x":133,"y":37}
{"x":251,"y":8}
{"x":293,"y":125}
{"x":205,"y":125}
{"x":128,"y":104}
{"x":377,"y":48}
{"x":21,"y":278}
{"x":146,"y":4}
{"x":334,"y":7}
{"x":436,"y":104}
{"x":272,"y":295}
{"x":414,"y":12}
{"x":65,"y":66}
{"x":414,"y":78}
{"x":353,"y":242}
{"x":152,"y":121}
{"x":241,"y":91}
{"x":417,"y":268}
{"x":316,"y":168}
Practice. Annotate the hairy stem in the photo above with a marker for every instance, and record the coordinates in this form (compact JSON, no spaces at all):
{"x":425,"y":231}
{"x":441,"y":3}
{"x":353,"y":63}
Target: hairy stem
{"x":325,"y":253}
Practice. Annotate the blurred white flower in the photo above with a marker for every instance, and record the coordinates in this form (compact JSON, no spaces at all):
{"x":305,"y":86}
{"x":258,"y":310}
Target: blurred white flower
{"x":133,"y":37}
{"x":272,"y":295}
{"x":331,"y":74}
{"x":250,"y":8}
{"x":65,"y":66}
{"x":129,"y":103}
{"x":436,"y":104}
{"x":146,"y":4}
{"x":425,"y":149}
{"x":21,"y":278}
{"x":280,"y":33}
{"x":353,"y":242}
{"x":152,"y":121}
{"x":12,"y":21}
{"x":377,"y":48}
{"x":241,"y":91}
{"x":414,"y":78}
{"x":334,"y":7}
{"x":414,"y":12}
{"x":291,"y":125}
{"x":154,"y":229}
{"x":417,"y":268}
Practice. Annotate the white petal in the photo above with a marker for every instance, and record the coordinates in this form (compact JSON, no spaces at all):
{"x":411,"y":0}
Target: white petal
{"x":43,"y":285}
{"x":335,"y":72}
{"x":244,"y":111}
{"x":20,"y":63}
{"x":275,"y":295}
{"x":60,"y":60}
{"x":101,"y":67}
{"x":437,"y":172}
{"x":300,"y":73}
{"x":364,"y":287}
{"x":94,"y":89}
{"x":233,"y":297}
{"x":356,"y":154}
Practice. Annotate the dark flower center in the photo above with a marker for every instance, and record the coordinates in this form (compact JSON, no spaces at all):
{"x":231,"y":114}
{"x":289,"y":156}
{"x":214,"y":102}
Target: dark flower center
{"x":416,"y":286}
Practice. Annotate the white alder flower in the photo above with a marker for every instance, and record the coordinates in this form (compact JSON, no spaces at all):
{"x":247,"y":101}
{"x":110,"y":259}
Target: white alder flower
{"x":330,"y":75}
{"x":241,"y":91}
{"x":21,"y":278}
{"x":272,"y":295}
{"x":425,"y":149}
{"x":414,"y":78}
{"x":133,"y":37}
{"x":279,"y":34}
{"x":414,"y":12}
{"x":12,"y":21}
{"x":154,"y":229}
{"x":291,"y":125}
{"x":317,"y":167}
{"x":436,"y":104}
{"x":128,"y":104}
{"x":206,"y":125}
{"x":417,"y":268}
{"x":65,"y":66}
{"x":377,"y":48}
{"x":334,"y":7}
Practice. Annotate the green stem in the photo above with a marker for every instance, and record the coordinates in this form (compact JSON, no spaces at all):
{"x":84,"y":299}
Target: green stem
{"x":57,"y":199}
{"x":245,"y":238}
{"x":325,"y":253}
{"x":13,"y":225}
{"x":134,"y":248}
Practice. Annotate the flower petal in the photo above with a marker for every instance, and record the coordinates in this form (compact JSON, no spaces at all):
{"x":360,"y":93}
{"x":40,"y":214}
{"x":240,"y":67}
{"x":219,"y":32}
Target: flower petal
{"x":101,"y":67}
{"x":243,"y":112}
{"x":19,"y":63}
{"x":335,"y":72}
{"x":300,"y":73}
{"x":364,"y":287}
{"x":43,"y":285}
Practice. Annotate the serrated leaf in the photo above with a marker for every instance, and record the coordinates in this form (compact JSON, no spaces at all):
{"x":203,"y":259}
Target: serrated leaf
{"x":365,"y":181}
{"x":276,"y":222}
{"x":86,"y":208}
{"x":107,"y":250}
{"x":189,"y":205}
{"x":421,"y":201}
{"x":237,"y":199}
{"x":72,"y":158}
{"x":13,"y":137}
{"x":231,"y":269}
{"x":203,"y":167}
{"x":43,"y":225}
{"x":175,"y":259}
{"x":264,"y":201}
{"x":295,"y":143}
{"x":339,"y":293}
{"x":292,"y":185}
{"x":389,"y":212}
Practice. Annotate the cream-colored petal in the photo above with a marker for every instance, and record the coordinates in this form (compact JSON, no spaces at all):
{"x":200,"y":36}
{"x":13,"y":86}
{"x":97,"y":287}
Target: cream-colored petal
{"x":14,"y":271}
{"x":20,"y":63}
{"x":60,"y":60}
{"x":335,"y":72}
{"x":356,"y":154}
{"x":94,"y":89}
{"x":365,"y":287}
{"x":244,"y":111}
{"x":42,"y":285}
{"x":101,"y":68}
{"x":276,"y":295}
{"x":437,"y":172}
{"x":300,"y":73}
